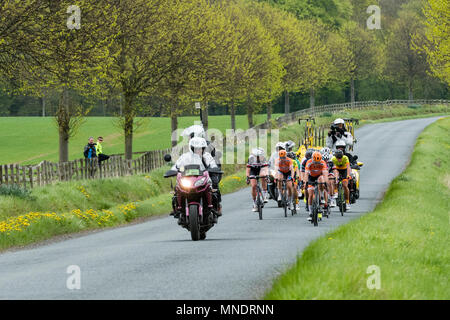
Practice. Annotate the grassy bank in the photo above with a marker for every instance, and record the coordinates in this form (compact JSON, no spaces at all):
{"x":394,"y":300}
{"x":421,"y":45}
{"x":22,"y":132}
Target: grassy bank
{"x":82,"y":205}
{"x":406,"y":236}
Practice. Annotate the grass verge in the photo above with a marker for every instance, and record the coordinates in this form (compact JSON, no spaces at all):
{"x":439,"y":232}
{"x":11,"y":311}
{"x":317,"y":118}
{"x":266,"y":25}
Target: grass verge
{"x":406,"y":236}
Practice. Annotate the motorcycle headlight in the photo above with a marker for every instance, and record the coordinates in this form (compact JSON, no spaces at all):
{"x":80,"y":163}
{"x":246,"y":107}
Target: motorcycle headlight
{"x":200,"y":182}
{"x":186,"y":183}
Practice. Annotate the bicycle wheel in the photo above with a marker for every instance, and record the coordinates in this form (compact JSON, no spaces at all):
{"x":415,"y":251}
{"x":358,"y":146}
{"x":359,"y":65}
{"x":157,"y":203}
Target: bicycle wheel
{"x":284,"y":199}
{"x":259,"y":203}
{"x":315,"y":208}
{"x":341,"y":197}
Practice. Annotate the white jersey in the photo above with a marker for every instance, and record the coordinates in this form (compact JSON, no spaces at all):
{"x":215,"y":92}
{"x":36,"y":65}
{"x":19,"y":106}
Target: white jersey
{"x":193,"y":158}
{"x":346,"y":137}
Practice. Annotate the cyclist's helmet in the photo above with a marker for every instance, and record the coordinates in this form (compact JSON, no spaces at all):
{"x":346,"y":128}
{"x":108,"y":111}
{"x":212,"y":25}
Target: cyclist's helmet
{"x":289,"y":145}
{"x":282,"y":153}
{"x":257,"y":152}
{"x":317,"y":157}
{"x":291,"y":155}
{"x":325,"y":151}
{"x":339,"y":154}
{"x":280,"y":146}
{"x":340,"y":145}
{"x":309,"y":153}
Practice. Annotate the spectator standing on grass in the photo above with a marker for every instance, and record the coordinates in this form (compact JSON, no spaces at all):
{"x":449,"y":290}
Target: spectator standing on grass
{"x":90,"y":154}
{"x":99,"y":151}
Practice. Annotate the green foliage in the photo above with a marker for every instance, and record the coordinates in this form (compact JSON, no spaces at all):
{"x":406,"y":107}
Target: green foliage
{"x":15,"y":191}
{"x":437,"y":45}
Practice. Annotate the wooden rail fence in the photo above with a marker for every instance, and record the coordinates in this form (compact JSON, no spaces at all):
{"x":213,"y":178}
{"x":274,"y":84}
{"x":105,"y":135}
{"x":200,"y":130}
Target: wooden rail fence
{"x":48,"y":172}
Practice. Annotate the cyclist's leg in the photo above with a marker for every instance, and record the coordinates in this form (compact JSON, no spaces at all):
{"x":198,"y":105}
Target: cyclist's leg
{"x":343,"y":175}
{"x":336,"y":180}
{"x":279,"y":177}
{"x":323,"y":188}
{"x":253,"y":183}
{"x":310,"y":191}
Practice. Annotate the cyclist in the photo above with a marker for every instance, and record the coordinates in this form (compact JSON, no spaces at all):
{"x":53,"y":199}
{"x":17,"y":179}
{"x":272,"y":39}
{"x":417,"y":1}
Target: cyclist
{"x":279,"y":146}
{"x":257,"y":166}
{"x":342,"y":170}
{"x":326,"y":156}
{"x":316,"y":171}
{"x":303,"y":176}
{"x":297,"y":177}
{"x":284,"y":170}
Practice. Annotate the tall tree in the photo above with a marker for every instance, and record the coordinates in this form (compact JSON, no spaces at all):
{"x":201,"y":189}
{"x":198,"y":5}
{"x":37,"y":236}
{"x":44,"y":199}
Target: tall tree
{"x":366,"y":54}
{"x":141,"y":56}
{"x":437,"y":35}
{"x":63,"y":57}
{"x":403,"y":63}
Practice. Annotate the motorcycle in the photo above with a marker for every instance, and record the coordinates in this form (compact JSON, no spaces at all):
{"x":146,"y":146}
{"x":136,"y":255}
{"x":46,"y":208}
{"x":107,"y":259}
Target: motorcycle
{"x":354,"y":187}
{"x":192,"y":194}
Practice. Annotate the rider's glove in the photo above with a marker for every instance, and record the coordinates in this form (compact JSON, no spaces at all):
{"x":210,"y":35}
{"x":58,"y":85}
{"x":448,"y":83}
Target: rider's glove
{"x":248,"y":180}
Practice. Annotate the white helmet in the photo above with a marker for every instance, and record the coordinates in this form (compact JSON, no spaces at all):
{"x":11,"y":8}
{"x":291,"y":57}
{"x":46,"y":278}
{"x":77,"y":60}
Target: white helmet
{"x":340,"y":143}
{"x":289,"y":145}
{"x":339,"y":121}
{"x":197,"y":143}
{"x":280,"y":145}
{"x":194,"y":131}
{"x":257,"y":152}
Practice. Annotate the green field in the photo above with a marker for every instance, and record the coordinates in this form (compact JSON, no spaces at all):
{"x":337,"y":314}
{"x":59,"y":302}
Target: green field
{"x":29,"y":140}
{"x":406,"y":236}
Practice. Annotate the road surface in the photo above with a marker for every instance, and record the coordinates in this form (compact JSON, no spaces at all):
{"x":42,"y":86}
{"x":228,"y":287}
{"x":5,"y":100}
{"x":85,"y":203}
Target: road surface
{"x":239,"y":259}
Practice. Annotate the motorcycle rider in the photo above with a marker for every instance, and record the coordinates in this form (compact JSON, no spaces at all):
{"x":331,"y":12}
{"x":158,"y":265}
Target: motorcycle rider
{"x":198,"y":131}
{"x":257,"y":166}
{"x":338,"y":133}
{"x":197,"y":155}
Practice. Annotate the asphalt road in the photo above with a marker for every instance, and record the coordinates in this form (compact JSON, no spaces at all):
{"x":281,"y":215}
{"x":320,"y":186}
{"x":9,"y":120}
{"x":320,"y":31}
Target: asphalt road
{"x":239,"y":259}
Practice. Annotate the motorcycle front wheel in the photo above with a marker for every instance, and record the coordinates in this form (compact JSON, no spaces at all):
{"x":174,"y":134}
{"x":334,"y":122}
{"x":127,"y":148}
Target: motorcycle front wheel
{"x":194,"y":225}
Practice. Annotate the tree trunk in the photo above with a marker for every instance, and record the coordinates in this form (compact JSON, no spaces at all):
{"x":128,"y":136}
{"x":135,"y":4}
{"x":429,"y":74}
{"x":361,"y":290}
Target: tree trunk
{"x":174,"y":122}
{"x":410,"y":90}
{"x":233,"y":115}
{"x":63,"y":119}
{"x":269,"y":114}
{"x":63,"y":146}
{"x":205,"y":115}
{"x":352,"y":90}
{"x":312,"y":99}
{"x":286,"y":102}
{"x":43,"y":106}
{"x":250,"y":113}
{"x":128,"y":126}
